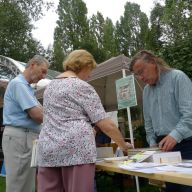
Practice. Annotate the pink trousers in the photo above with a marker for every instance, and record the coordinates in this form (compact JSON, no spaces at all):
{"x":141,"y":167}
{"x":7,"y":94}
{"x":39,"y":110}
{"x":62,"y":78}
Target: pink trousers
{"x":78,"y":178}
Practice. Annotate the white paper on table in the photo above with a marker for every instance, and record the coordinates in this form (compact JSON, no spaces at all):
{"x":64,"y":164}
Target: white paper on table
{"x":184,"y":165}
{"x":143,"y":167}
{"x":148,"y":167}
{"x":172,"y":168}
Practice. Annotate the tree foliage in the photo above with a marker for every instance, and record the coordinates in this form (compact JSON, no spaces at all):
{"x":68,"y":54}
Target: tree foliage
{"x":168,"y":33}
{"x":98,"y":35}
{"x":103,"y":34}
{"x":72,"y":30}
{"x":58,"y":54}
{"x":132,"y":29}
{"x":154,"y":41}
{"x":172,"y":24}
{"x":97,"y":23}
{"x":109,"y":39}
{"x":32,"y":8}
{"x":16,"y":39}
{"x":72,"y":27}
{"x":177,"y":20}
{"x":179,"y":55}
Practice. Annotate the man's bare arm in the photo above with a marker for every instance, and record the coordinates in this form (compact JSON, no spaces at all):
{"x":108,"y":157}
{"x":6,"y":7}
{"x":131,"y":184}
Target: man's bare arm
{"x":36,"y":113}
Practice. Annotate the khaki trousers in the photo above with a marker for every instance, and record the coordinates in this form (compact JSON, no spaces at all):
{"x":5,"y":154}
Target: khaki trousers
{"x":17,"y":149}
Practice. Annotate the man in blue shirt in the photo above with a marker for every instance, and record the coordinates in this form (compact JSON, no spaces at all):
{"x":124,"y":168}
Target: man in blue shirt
{"x":22,"y":117}
{"x":167,"y":106}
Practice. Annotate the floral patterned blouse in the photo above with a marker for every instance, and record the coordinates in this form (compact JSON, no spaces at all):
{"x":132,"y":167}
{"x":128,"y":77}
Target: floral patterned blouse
{"x":67,"y":138}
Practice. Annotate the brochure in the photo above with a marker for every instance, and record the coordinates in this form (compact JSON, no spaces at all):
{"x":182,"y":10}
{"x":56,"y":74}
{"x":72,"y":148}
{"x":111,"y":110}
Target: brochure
{"x":139,"y":157}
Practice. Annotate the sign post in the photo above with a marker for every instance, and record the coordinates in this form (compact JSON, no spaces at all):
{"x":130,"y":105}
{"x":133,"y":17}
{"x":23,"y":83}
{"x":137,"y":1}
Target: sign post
{"x":126,"y":98}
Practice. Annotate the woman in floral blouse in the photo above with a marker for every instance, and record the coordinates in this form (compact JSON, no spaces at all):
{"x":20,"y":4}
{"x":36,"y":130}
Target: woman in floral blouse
{"x":66,"y":150}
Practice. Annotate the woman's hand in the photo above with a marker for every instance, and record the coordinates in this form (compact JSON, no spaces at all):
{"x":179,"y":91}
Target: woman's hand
{"x":95,"y":132}
{"x":130,"y":146}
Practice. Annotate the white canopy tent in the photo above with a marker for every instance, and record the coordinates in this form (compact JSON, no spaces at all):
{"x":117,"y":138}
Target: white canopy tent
{"x":103,"y":80}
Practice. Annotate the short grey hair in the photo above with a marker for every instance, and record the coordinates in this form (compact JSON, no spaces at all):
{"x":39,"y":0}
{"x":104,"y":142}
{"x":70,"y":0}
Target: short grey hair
{"x":38,"y":59}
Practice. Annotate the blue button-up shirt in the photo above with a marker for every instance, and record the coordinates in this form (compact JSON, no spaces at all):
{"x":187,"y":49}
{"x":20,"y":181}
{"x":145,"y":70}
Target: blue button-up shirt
{"x":19,"y":97}
{"x":168,"y":107}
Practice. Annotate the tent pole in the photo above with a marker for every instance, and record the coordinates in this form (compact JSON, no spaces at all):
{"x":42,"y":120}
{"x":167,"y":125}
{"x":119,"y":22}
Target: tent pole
{"x":131,"y":134}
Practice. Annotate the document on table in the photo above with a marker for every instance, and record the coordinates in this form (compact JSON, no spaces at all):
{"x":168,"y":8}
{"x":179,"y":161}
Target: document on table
{"x":184,"y":165}
{"x":147,"y":167}
{"x":141,"y":156}
{"x":175,"y":168}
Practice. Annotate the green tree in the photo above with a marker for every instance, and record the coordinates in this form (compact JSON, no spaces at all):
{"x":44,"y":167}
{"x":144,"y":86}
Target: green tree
{"x":72,"y":26}
{"x":32,"y":8}
{"x":171,"y":32}
{"x":97,"y":23}
{"x":58,"y":52}
{"x":109,"y":39}
{"x":103,"y":34}
{"x":16,"y":39}
{"x":177,"y":20}
{"x":96,"y":30}
{"x":132,"y":29}
{"x":179,"y":55}
{"x":72,"y":30}
{"x":155,"y":34}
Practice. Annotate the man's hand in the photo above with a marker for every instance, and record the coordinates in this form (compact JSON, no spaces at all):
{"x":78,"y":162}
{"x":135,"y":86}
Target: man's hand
{"x":167,"y":143}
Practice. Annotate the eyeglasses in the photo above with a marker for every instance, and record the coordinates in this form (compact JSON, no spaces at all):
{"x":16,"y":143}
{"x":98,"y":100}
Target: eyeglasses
{"x":139,"y":73}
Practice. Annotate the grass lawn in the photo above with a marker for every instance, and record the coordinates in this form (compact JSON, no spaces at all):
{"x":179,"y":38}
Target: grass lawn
{"x":111,"y":183}
{"x":2,"y":184}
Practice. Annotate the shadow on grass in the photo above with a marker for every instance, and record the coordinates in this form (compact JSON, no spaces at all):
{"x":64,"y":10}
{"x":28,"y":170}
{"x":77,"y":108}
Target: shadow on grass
{"x":111,"y":182}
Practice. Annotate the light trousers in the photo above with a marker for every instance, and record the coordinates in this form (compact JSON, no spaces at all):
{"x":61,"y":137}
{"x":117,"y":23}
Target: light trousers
{"x":17,"y":149}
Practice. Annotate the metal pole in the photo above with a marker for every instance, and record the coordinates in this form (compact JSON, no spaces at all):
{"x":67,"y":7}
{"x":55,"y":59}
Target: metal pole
{"x":131,"y":133}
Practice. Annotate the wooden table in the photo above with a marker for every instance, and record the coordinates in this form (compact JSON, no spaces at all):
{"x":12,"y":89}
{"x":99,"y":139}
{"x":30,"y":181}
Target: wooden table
{"x":173,"y":177}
